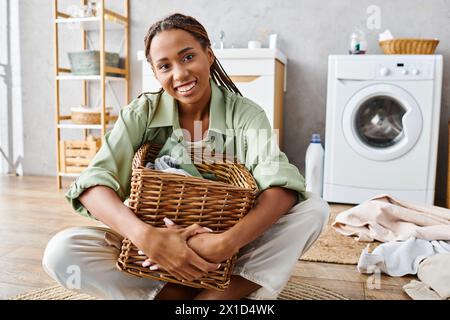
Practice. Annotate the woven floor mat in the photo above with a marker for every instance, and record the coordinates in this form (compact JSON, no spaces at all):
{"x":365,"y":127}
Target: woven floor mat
{"x":294,"y":290}
{"x":333,"y":247}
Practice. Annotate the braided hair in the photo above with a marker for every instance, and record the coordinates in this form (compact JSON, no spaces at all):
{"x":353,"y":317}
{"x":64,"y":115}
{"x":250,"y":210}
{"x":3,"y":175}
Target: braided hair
{"x":191,"y":25}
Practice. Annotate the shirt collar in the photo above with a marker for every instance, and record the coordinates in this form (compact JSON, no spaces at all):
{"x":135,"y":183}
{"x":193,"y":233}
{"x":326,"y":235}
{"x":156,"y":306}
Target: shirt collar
{"x":166,"y":113}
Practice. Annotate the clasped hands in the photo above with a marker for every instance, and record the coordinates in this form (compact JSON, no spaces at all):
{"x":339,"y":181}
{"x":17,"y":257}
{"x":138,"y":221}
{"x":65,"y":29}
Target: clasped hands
{"x":186,"y":253}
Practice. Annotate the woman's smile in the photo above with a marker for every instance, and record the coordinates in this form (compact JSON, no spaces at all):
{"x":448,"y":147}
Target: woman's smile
{"x":186,"y":89}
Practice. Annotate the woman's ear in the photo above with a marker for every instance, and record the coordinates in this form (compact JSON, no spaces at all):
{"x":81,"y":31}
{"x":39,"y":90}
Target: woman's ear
{"x":211,"y":56}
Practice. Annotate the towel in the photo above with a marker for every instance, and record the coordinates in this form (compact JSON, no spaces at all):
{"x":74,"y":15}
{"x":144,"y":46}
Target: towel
{"x":385,"y":219}
{"x":435,"y":272}
{"x":167,"y":164}
{"x":399,"y":258}
{"x":386,"y":35}
{"x":434,"y":276}
{"x":418,"y":290}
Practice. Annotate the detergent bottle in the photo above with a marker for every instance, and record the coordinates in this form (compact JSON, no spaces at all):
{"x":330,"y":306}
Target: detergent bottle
{"x":314,"y":165}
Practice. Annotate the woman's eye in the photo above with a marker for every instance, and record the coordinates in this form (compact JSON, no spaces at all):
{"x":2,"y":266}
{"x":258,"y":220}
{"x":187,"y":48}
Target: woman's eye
{"x":188,"y":57}
{"x":163,"y":67}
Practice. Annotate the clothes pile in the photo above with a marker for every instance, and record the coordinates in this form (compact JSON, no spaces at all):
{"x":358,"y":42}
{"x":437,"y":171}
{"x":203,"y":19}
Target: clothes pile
{"x":171,"y":164}
{"x":416,"y":240}
{"x":167,"y":164}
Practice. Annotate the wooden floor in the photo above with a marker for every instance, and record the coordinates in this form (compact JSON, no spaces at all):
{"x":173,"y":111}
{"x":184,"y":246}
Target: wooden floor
{"x":32,"y":210}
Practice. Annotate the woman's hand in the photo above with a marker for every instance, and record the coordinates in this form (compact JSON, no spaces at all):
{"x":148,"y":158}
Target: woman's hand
{"x":168,"y":248}
{"x":210,"y":246}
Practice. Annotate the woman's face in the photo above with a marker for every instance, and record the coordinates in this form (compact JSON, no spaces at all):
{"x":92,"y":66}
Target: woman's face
{"x":181,"y":65}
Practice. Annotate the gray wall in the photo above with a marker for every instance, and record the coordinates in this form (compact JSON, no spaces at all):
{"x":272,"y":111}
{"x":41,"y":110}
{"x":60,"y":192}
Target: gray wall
{"x":309,"y":31}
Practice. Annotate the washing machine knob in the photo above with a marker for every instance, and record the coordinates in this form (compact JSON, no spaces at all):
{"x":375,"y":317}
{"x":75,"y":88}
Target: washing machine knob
{"x":415,"y":72}
{"x":384,"y":71}
{"x":404,"y":72}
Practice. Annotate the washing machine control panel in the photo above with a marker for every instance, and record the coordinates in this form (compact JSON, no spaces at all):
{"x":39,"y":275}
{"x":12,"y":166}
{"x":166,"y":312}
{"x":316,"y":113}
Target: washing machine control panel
{"x":405,"y":70}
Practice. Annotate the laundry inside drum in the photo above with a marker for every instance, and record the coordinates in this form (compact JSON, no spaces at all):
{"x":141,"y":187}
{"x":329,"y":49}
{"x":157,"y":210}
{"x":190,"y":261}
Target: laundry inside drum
{"x":378,"y":122}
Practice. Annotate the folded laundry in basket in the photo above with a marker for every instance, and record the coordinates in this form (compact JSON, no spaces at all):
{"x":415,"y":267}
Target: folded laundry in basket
{"x":167,"y":164}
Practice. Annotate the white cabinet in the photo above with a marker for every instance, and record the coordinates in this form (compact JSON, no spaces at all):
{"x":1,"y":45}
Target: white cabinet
{"x":260,"y":75}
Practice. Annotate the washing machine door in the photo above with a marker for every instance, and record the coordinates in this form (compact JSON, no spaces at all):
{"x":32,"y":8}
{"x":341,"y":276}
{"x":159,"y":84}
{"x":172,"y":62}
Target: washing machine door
{"x":382,"y":122}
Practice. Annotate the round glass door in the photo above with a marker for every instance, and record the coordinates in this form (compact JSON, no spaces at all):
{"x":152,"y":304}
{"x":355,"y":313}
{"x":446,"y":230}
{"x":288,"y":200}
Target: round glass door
{"x":382,"y":122}
{"x":378,"y":122}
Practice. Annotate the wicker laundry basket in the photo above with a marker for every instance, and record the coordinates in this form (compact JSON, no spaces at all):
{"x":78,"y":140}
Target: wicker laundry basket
{"x":85,"y":115}
{"x":409,"y":46}
{"x":187,"y":200}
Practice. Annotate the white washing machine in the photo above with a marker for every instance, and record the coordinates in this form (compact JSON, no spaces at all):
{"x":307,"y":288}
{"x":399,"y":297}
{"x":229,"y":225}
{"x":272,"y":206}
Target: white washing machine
{"x":382,"y":127}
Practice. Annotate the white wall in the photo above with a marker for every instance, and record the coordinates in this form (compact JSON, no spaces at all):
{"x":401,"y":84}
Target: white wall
{"x":11,"y":124}
{"x":309,"y":31}
{"x":4,"y":77}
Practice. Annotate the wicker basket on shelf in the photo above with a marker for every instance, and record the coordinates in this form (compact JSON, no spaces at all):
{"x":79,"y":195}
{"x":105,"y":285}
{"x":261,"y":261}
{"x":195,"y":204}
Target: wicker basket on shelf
{"x":84,"y":115}
{"x":409,"y":46}
{"x":218,"y":205}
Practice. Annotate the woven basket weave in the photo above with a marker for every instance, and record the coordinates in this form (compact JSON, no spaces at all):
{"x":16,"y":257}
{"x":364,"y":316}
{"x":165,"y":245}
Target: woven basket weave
{"x":409,"y":46}
{"x":87,"y":117}
{"x":218,"y":205}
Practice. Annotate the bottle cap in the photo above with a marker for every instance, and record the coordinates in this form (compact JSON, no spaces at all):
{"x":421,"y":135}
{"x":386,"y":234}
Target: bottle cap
{"x":315,"y":138}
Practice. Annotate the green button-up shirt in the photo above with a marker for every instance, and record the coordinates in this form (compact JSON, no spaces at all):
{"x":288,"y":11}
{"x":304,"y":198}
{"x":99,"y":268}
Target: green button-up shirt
{"x":237,"y":127}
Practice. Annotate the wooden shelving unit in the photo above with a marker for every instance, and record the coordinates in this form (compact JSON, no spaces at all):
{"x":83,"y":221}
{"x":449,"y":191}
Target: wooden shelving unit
{"x":104,"y":20}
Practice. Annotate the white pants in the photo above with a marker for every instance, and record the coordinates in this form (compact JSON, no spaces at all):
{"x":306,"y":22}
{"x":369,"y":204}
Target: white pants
{"x":84,"y":258}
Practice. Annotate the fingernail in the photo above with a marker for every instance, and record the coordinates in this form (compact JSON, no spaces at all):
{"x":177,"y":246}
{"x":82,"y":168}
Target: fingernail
{"x":154,"y":267}
{"x":140,"y":253}
{"x":218,"y":267}
{"x":208,"y":229}
{"x":145,"y":264}
{"x":168,"y":222}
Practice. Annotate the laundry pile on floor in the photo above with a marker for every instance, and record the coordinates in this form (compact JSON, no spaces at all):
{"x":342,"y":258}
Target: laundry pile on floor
{"x":416,"y":240}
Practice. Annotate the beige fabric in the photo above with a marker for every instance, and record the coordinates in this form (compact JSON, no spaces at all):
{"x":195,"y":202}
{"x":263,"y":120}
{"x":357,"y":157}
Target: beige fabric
{"x":418,"y":290}
{"x":435,"y":272}
{"x":269,"y":260}
{"x":385,"y":218}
